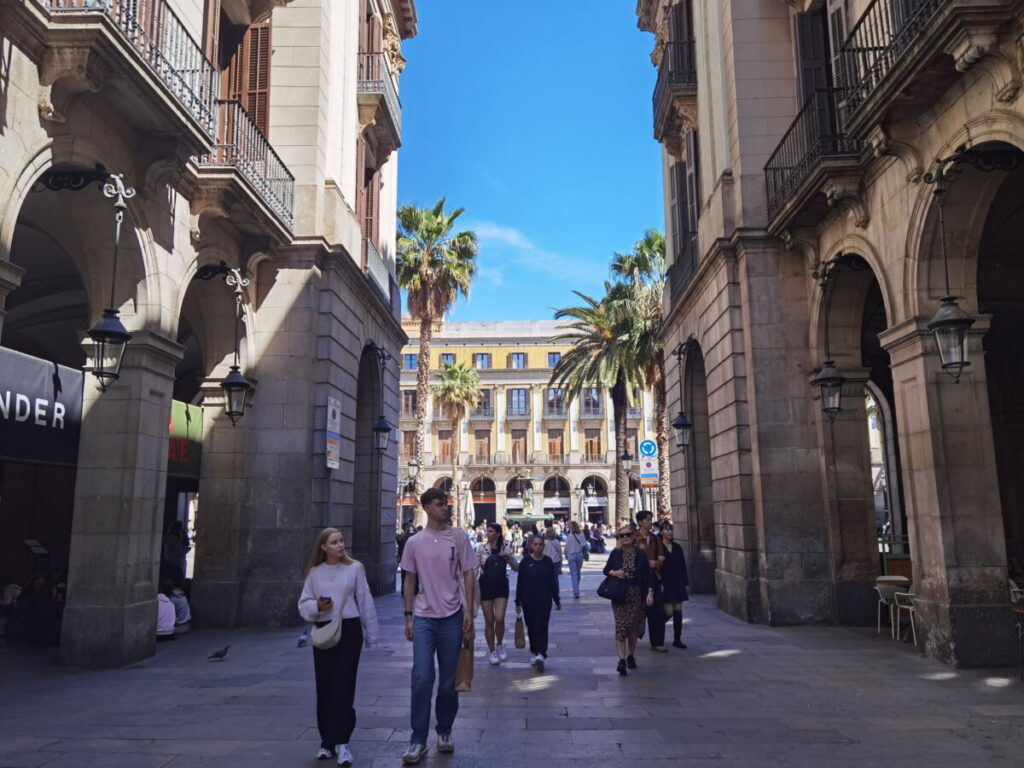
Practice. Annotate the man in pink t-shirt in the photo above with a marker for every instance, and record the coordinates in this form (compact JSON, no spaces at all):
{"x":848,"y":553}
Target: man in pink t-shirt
{"x":438,"y":557}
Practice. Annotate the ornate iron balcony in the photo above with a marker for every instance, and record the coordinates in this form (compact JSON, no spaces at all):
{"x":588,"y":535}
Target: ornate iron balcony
{"x":377,"y":271}
{"x":592,"y":412}
{"x":555,"y":412}
{"x":517,"y":412}
{"x":376,"y":88}
{"x":684,"y":267}
{"x":677,"y":79}
{"x":486,"y":412}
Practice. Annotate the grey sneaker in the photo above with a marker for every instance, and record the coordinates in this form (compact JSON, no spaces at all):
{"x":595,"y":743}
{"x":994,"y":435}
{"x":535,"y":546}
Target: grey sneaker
{"x":324,"y":754}
{"x":414,"y":754}
{"x":344,"y":756}
{"x":445,"y":744}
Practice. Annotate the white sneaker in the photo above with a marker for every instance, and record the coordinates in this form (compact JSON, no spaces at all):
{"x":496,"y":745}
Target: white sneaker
{"x":538,"y":662}
{"x":502,"y":653}
{"x":414,"y":754}
{"x":324,"y":754}
{"x":493,"y":658}
{"x":344,"y":756}
{"x":445,"y":745}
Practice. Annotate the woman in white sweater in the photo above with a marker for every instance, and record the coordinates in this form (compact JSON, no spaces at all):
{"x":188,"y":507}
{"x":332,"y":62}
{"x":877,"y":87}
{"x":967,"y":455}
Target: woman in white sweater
{"x":336,"y":586}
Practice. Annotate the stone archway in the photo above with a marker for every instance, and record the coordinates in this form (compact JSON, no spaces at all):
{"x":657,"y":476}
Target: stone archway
{"x":699,"y":527}
{"x":483,"y":491}
{"x":372,"y":524}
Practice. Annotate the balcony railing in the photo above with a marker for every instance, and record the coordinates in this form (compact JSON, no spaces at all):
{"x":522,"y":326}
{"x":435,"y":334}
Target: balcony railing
{"x":480,"y":459}
{"x":884,"y":32}
{"x":486,"y":412}
{"x":592,"y":458}
{"x":634,"y":413}
{"x":407,"y":414}
{"x":813,"y":136}
{"x":517,"y":412}
{"x":677,"y":76}
{"x":557,"y":458}
{"x":684,"y":267}
{"x":241,"y":144}
{"x":555,"y":412}
{"x":376,"y":270}
{"x":164,"y":43}
{"x":443,"y":460}
{"x":375,"y":77}
{"x":592,"y":412}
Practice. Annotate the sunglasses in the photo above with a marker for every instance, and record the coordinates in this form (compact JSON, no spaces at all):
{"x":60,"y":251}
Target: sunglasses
{"x":625,"y":535}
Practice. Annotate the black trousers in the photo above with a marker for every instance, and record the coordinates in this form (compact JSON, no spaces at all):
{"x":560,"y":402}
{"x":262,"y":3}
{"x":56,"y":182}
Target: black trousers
{"x":537,"y":616}
{"x":335,"y":671}
{"x":656,"y":618}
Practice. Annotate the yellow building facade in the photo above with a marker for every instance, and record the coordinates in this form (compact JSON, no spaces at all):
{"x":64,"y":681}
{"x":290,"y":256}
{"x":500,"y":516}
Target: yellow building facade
{"x":524,"y":446}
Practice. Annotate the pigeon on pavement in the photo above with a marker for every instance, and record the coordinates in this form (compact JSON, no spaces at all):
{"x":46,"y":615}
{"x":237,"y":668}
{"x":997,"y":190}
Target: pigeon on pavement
{"x":219,"y":655}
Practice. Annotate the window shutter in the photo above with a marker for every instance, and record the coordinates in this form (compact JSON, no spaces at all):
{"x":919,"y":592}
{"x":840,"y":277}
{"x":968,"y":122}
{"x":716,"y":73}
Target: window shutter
{"x":692,"y":181}
{"x":249,"y":75}
{"x":813,"y":53}
{"x":680,"y":22}
{"x":837,"y":36}
{"x":211,"y":29}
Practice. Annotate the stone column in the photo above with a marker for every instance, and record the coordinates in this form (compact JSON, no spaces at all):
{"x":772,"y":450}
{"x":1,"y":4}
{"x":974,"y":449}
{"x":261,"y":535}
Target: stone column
{"x":951,"y":491}
{"x":116,"y":533}
{"x":10,"y":279}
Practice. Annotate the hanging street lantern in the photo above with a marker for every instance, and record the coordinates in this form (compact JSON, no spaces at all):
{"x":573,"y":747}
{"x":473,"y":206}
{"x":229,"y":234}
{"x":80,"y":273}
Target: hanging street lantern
{"x":950,"y":326}
{"x":413,"y":468}
{"x":381,"y":435}
{"x":683,"y":428}
{"x":109,"y":338}
{"x":830,"y":381}
{"x":236,"y":387}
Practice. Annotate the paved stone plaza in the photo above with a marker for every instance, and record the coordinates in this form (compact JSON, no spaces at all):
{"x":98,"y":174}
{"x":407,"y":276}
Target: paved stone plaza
{"x":741,"y":695}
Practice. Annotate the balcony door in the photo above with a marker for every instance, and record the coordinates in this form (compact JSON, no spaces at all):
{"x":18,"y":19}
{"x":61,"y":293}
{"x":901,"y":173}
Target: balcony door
{"x":444,"y":445}
{"x":247,"y":77}
{"x":592,"y":443}
{"x":556,"y":442}
{"x":482,"y":444}
{"x":518,"y":445}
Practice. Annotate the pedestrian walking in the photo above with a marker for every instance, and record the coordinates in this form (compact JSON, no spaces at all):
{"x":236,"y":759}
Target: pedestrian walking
{"x":443,"y":560}
{"x":675,"y":581}
{"x":553,"y":548}
{"x":650,"y":544}
{"x":575,"y":545}
{"x":335,"y":587}
{"x":536,"y":590}
{"x":629,"y":562}
{"x":495,"y":560}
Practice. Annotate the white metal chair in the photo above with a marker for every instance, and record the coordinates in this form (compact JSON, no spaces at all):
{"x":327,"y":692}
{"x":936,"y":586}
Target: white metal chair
{"x":904,"y":601}
{"x":883,"y":600}
{"x":1016,"y":593}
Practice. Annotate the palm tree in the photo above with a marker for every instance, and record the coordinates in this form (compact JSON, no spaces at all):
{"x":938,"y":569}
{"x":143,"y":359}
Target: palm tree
{"x":599,"y":358}
{"x":644,"y":270}
{"x":457,"y":392}
{"x":434,"y":267}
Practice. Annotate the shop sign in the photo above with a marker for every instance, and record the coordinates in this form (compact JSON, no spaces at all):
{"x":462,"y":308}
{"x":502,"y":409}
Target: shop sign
{"x":40,"y":410}
{"x":332,"y":454}
{"x":185,"y":447}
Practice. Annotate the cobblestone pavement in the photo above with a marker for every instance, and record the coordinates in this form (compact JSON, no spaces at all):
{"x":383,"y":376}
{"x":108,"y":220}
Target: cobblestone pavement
{"x":741,"y":695}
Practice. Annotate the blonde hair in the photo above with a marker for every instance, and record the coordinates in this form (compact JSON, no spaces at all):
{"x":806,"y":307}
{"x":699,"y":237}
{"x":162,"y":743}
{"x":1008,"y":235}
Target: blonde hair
{"x":318,"y":556}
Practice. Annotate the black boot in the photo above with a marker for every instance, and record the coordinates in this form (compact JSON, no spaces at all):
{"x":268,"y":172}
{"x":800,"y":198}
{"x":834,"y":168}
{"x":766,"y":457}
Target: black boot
{"x":630,"y":661}
{"x":622,"y":667}
{"x":677,"y":630}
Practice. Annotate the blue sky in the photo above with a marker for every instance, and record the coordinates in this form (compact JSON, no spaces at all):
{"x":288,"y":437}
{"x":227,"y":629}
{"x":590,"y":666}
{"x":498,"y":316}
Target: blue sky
{"x":535,"y":116}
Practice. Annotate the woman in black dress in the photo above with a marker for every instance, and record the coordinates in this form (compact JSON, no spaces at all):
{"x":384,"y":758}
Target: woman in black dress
{"x":536,"y":589}
{"x":495,"y":559}
{"x":674,"y":583}
{"x":629,"y":563}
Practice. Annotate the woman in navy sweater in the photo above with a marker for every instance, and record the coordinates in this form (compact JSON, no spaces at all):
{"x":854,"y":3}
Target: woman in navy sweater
{"x":536,"y":590}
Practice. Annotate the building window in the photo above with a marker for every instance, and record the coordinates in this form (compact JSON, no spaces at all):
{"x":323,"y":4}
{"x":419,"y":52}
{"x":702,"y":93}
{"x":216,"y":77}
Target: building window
{"x":408,"y":441}
{"x":482,"y":443}
{"x":519,"y":402}
{"x":592,"y":445}
{"x":518,"y":446}
{"x":554,"y":403}
{"x":409,"y":362}
{"x":556,"y":444}
{"x":408,"y":402}
{"x":554,"y":358}
{"x":517,"y":360}
{"x":482,"y":361}
{"x":444,"y":444}
{"x":484,"y":406}
{"x":631,"y":444}
{"x":447,"y":358}
{"x":591,"y":401}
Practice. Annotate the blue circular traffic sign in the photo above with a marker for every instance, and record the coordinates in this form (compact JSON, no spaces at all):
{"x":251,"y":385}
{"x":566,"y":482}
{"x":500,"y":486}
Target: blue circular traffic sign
{"x":648,"y":448}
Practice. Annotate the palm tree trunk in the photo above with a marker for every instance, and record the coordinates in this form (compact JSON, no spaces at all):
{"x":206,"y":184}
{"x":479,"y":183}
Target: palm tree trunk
{"x":455,"y":473}
{"x":422,"y":390}
{"x":621,"y":471}
{"x":662,"y":436}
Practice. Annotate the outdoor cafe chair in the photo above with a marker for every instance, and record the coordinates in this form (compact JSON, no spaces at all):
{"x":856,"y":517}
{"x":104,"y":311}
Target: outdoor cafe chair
{"x":904,"y":601}
{"x":883,"y":600}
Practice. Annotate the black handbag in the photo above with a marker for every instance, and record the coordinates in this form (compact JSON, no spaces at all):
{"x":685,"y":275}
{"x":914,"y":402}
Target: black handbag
{"x":614,"y":589}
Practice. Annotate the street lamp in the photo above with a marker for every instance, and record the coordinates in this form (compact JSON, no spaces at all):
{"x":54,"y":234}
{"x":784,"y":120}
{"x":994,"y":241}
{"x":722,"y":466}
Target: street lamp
{"x":413,"y":468}
{"x":682,"y":425}
{"x":381,"y":435}
{"x":109,"y":335}
{"x":236,"y":387}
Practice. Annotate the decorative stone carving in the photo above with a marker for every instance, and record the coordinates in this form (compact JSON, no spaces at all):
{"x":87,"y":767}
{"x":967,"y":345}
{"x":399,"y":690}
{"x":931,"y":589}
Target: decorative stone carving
{"x":971,"y":45}
{"x":393,"y":45}
{"x":882,"y":144}
{"x":660,"y":39}
{"x":65,"y":72}
{"x":367,"y":116}
{"x":845,"y":193}
{"x":686,"y":114}
{"x":1010,"y":56}
{"x":805,"y":241}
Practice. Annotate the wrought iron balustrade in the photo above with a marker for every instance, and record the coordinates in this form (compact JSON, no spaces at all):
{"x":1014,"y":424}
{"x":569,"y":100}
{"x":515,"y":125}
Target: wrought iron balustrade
{"x":634,"y":413}
{"x":375,"y":77}
{"x":592,"y":412}
{"x":156,"y":33}
{"x":813,"y":136}
{"x":678,"y":70}
{"x":684,"y":267}
{"x":593,"y":458}
{"x":882,"y":34}
{"x":241,"y":144}
{"x":555,"y":412}
{"x":517,"y":412}
{"x":485,"y":412}
{"x":557,"y":458}
{"x":376,"y":270}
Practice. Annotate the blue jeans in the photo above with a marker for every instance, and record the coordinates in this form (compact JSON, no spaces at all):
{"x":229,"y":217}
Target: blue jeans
{"x":442,"y":637}
{"x":575,"y":566}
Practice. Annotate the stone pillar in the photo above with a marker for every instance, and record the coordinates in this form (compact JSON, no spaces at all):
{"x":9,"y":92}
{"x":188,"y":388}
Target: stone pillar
{"x":116,"y":534}
{"x":850,"y":503}
{"x":951,"y":491}
{"x":10,"y":279}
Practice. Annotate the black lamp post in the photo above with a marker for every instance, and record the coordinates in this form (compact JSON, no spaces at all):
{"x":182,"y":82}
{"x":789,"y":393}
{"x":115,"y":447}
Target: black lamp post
{"x":829,"y":379}
{"x":109,"y":335}
{"x":382,"y":429}
{"x":236,"y":387}
{"x":682,"y":425}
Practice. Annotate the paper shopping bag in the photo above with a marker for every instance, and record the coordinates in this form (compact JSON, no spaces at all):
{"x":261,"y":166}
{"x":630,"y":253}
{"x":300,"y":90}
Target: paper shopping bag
{"x":464,"y":670}
{"x":520,"y":633}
